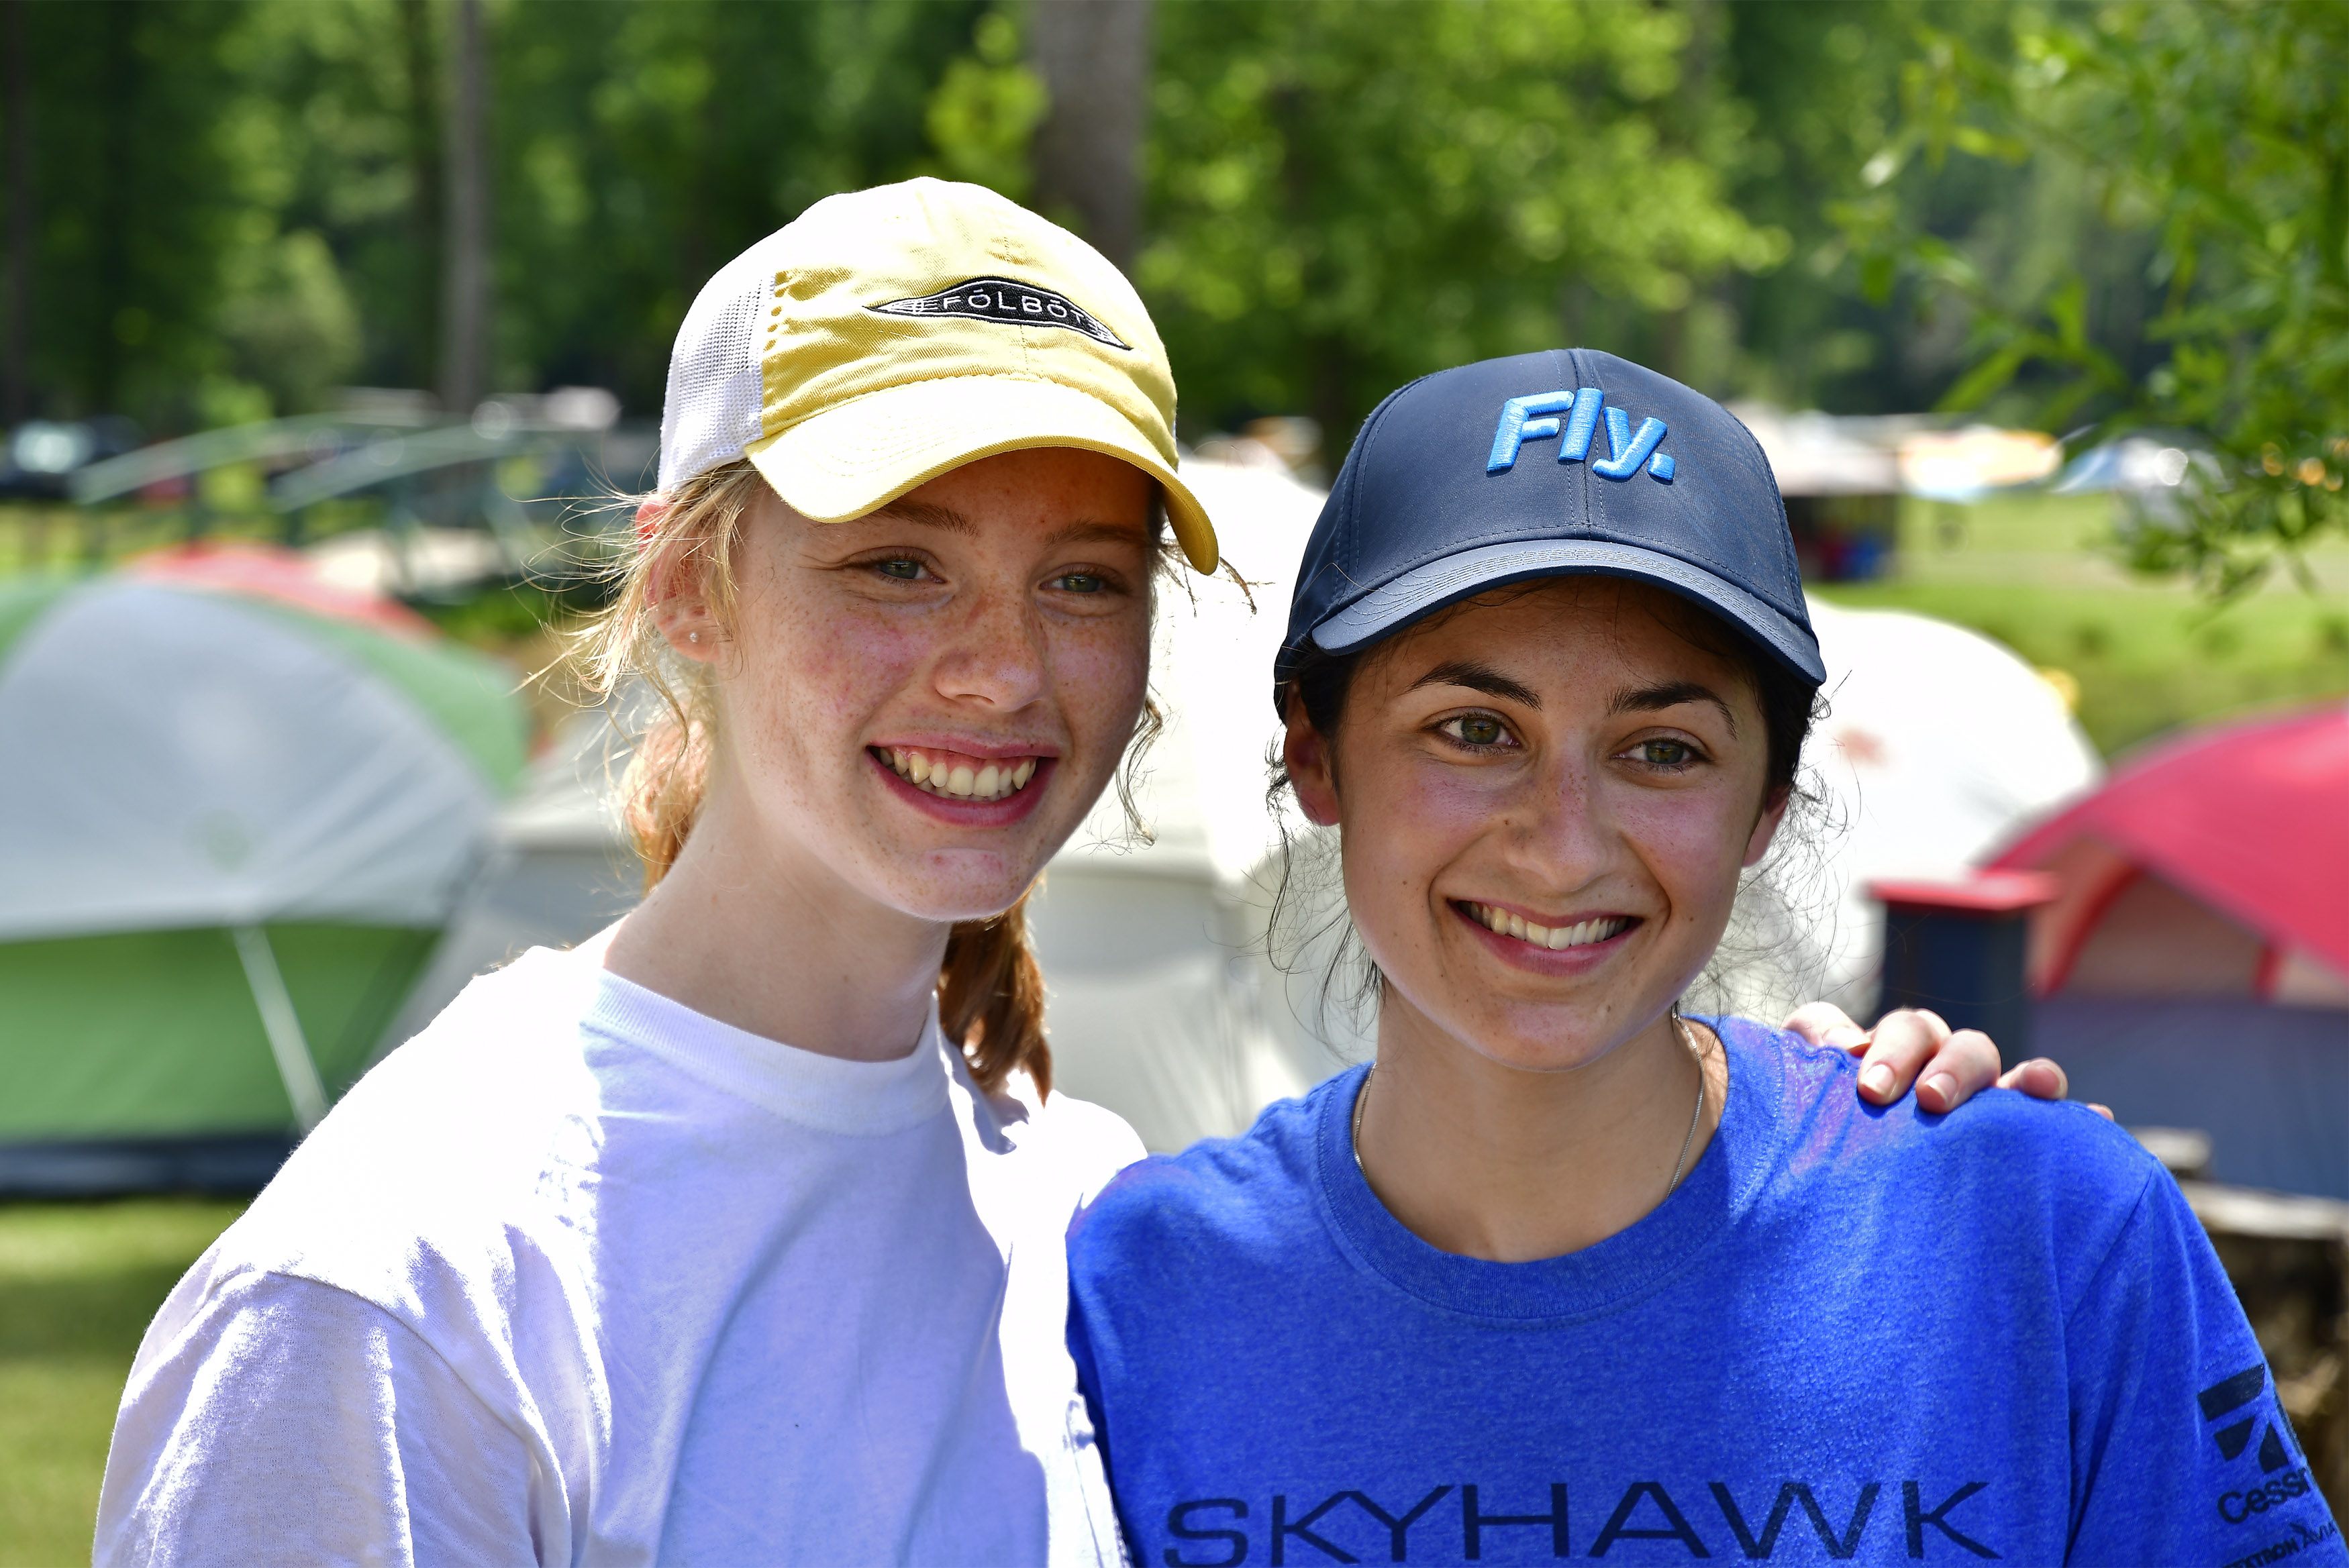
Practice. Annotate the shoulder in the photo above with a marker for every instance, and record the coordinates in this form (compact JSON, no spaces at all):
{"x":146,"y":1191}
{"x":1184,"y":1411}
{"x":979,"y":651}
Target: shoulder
{"x":449,"y":1154}
{"x":1084,"y":1144}
{"x":1249,"y":1194}
{"x":2001,"y":1158}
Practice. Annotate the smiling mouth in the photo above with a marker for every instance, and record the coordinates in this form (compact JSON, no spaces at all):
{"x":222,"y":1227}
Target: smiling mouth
{"x":1501,"y":922}
{"x":959,"y":778}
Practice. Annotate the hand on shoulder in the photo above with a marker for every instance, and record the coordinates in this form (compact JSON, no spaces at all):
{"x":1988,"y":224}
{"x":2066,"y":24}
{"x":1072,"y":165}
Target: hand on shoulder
{"x":1912,"y":1047}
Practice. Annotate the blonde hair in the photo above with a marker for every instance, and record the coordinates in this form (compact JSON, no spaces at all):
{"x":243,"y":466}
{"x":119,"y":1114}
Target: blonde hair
{"x":990,"y":993}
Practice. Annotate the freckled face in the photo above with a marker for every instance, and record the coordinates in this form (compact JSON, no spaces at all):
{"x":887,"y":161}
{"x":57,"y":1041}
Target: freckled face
{"x":1545,"y":799}
{"x":928,"y":699}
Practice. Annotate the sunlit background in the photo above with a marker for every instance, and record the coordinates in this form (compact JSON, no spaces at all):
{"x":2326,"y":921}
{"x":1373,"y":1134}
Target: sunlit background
{"x":332,"y":330}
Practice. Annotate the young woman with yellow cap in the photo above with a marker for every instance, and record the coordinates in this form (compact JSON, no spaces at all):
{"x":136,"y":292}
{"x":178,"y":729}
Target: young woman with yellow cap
{"x":598,"y":1269}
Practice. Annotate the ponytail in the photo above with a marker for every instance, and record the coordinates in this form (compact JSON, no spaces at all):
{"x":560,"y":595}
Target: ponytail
{"x":990,"y":992}
{"x":991,"y":999}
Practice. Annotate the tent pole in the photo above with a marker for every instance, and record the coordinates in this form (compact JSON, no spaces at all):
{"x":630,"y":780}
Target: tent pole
{"x":294,"y":1068}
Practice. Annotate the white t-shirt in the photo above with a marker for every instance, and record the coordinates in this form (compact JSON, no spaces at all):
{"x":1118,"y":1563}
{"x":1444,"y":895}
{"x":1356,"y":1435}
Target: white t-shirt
{"x":580,"y":1275}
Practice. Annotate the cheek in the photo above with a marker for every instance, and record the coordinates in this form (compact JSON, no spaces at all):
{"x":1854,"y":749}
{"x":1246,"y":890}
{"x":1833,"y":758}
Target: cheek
{"x":814,"y":671}
{"x":1693,"y":841}
{"x":1402,"y":825}
{"x":1101,"y":672}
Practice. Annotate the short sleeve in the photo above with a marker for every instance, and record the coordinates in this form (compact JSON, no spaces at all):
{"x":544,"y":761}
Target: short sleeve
{"x":286,"y":1421}
{"x":2180,"y":1452}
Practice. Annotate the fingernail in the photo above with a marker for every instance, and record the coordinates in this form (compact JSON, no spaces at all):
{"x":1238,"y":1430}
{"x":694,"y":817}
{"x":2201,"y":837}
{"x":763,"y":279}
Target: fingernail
{"x":1945,"y":1086}
{"x":1877,"y":1079}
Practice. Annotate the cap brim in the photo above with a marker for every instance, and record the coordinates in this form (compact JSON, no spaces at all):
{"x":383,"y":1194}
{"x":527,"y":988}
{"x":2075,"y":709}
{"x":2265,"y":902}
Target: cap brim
{"x":851,"y":459}
{"x":1426,"y":589}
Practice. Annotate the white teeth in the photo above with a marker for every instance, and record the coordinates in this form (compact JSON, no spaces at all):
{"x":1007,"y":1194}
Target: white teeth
{"x":1553,"y":937}
{"x":988,"y":781}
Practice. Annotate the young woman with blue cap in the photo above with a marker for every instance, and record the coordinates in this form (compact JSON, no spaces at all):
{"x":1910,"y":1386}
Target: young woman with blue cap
{"x":735,"y":1236}
{"x":1564,"y":1273}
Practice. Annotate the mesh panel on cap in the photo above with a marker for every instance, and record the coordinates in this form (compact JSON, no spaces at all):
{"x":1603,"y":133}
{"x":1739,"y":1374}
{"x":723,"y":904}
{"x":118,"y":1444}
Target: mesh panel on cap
{"x":712,"y":414}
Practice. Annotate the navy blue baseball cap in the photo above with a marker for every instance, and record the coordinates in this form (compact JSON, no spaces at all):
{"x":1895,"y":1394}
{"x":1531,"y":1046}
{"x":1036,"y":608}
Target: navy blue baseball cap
{"x":1562,"y":463}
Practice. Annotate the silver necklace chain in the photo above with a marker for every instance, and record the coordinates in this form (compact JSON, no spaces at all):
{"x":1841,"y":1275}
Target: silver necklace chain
{"x":1688,"y":1038}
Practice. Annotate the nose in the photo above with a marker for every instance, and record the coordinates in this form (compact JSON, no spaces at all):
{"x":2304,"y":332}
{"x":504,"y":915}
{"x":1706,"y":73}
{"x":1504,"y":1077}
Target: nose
{"x":996,"y":655}
{"x":1559,"y":831}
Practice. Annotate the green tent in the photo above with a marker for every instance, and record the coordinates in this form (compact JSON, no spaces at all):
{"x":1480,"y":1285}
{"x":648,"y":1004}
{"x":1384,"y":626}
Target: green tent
{"x":239,"y":805}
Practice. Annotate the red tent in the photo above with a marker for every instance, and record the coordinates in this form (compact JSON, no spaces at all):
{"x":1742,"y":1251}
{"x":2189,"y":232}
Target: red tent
{"x":2213,"y":864}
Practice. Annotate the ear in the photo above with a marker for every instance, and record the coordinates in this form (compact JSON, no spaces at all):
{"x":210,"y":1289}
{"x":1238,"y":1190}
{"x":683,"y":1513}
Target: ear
{"x":1312,"y":771}
{"x":673,"y":589}
{"x":1766,"y":827}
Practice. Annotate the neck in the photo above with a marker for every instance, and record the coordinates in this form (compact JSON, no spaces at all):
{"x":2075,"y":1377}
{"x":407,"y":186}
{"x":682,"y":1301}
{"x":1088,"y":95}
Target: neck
{"x":762,"y":935}
{"x":1492,"y":1162}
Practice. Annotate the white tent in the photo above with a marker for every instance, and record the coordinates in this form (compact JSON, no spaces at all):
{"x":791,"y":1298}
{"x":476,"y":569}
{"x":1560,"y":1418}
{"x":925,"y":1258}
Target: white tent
{"x":1156,"y":986}
{"x":1162,"y":1006}
{"x":1165,"y":1005}
{"x":1938,"y":745}
{"x":239,"y":805}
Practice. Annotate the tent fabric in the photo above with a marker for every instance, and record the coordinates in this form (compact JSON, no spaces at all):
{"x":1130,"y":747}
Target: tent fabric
{"x":2251,"y":816}
{"x":2274,"y":1114}
{"x":154,"y":1034}
{"x":1165,"y":1004}
{"x":1937,"y":745}
{"x":259,"y":572}
{"x":189,"y":757}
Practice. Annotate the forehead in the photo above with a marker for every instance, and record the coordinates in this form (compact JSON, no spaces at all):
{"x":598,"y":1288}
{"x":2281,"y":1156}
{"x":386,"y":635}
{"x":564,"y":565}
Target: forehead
{"x":1623,"y":628}
{"x":1043,"y":481}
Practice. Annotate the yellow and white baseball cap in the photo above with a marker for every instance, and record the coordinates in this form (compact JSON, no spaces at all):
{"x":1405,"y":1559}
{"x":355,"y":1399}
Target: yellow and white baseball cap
{"x":888,"y":336}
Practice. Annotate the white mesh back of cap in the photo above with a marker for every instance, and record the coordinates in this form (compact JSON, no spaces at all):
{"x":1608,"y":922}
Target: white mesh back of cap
{"x":712,"y":414}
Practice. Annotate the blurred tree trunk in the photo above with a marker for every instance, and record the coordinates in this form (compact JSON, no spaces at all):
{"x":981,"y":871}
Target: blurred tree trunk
{"x":16,"y":127}
{"x":117,"y":319}
{"x":465,"y":280}
{"x":1093,"y":56}
{"x":420,"y":312}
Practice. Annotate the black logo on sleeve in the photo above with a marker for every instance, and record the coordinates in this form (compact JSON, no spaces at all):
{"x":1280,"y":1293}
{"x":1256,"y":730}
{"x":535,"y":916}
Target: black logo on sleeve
{"x":1013,"y":304}
{"x":2223,"y":1399}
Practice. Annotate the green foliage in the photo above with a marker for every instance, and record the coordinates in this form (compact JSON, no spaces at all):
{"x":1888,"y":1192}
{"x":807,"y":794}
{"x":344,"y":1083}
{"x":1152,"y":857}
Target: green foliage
{"x":2217,"y":133}
{"x":643,"y":145}
{"x":986,"y":110}
{"x":1347,"y":196}
{"x":133,"y":211}
{"x":238,"y":205}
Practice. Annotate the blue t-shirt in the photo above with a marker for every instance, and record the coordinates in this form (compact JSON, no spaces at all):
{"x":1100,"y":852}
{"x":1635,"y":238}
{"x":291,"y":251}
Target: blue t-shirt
{"x":1852,"y":1333}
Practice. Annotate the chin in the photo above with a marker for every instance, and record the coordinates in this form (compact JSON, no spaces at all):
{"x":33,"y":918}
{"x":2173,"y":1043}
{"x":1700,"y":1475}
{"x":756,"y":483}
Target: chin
{"x":1553,"y":1052}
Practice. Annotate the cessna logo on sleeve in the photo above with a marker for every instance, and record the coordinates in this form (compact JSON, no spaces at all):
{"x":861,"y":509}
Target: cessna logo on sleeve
{"x":2222,"y":1400}
{"x":1003,"y":300}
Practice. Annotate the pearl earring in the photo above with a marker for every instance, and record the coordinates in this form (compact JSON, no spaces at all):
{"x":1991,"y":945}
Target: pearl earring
{"x":693,"y":636}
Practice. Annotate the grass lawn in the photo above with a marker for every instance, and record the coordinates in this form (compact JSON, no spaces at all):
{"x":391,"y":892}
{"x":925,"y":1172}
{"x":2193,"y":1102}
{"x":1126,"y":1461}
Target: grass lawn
{"x":79,"y":1283}
{"x":2027,"y":570}
{"x":2146,"y":660}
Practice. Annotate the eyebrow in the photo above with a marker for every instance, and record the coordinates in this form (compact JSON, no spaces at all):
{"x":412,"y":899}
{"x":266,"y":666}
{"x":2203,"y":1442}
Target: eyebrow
{"x":929,"y":514}
{"x":1480,"y":677}
{"x":1669,"y":694}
